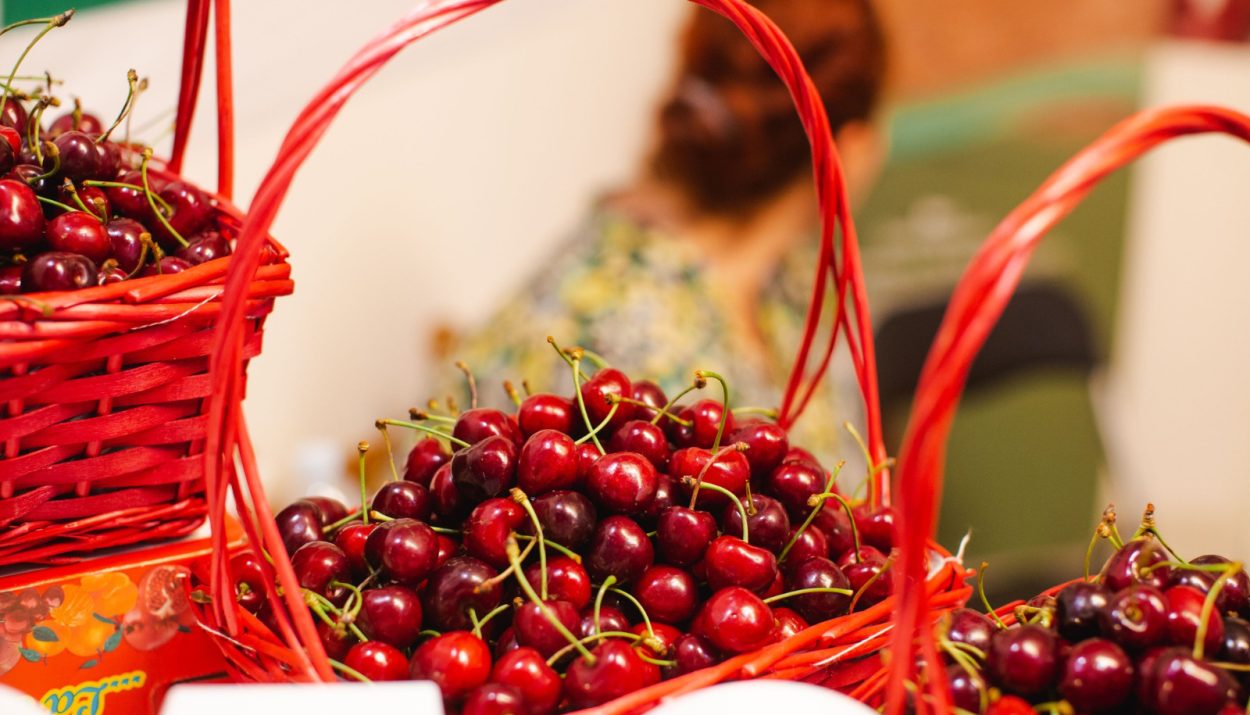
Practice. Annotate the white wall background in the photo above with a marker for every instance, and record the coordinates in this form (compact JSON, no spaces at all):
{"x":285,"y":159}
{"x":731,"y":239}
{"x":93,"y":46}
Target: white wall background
{"x":438,"y":189}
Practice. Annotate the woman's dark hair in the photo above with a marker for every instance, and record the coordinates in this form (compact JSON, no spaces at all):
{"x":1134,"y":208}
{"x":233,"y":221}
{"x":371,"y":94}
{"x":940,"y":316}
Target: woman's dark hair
{"x":729,"y":134}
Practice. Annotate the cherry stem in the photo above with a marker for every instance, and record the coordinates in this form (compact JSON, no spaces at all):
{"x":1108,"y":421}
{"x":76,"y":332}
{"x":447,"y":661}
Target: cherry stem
{"x":390,"y":455}
{"x":616,"y":403}
{"x":428,"y":430}
{"x":873,"y":469}
{"x":603,"y":589}
{"x":143,"y":87}
{"x":519,"y":497}
{"x":889,"y":561}
{"x":147,"y":191}
{"x":742,"y":511}
{"x":802,"y":591}
{"x":361,"y":448}
{"x":525,"y":385}
{"x":53,"y":153}
{"x":132,"y":82}
{"x":503,"y":575}
{"x":1208,"y":605}
{"x":349,"y":615}
{"x":53,"y":202}
{"x":655,"y":661}
{"x":347,"y":670}
{"x":564,"y":355}
{"x":468,"y":376}
{"x":595,"y":358}
{"x":811,"y":515}
{"x":649,"y":406}
{"x":35,"y":125}
{"x":342,"y":522}
{"x":422,"y":415}
{"x":964,"y":655}
{"x":694,"y":496}
{"x":445,"y":530}
{"x":1153,"y":531}
{"x":319,"y":604}
{"x":50,"y":23}
{"x":123,"y":185}
{"x":379,"y":516}
{"x":553,"y":545}
{"x":514,"y":558}
{"x":725,"y":411}
{"x":984,"y":599}
{"x":769,"y":412}
{"x":576,"y":362}
{"x":699,"y":384}
{"x":632,"y":637}
{"x":512,"y":393}
{"x":637,"y":604}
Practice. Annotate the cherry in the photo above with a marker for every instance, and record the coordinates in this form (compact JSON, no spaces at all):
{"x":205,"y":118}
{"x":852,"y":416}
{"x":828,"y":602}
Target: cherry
{"x":967,"y":689}
{"x":659,"y":639}
{"x":734,"y":620}
{"x":204,"y":247}
{"x":477,"y":424}
{"x":351,"y":539}
{"x":567,"y":580}
{"x":532,"y":627}
{"x":567,"y":517}
{"x":667,"y":493}
{"x":12,"y":138}
{"x":10,"y":280}
{"x":80,"y":160}
{"x":126,"y":238}
{"x":669,"y":594}
{"x":447,"y":548}
{"x":1235,"y":594}
{"x":1184,"y":685}
{"x":461,"y":583}
{"x":596,"y":393}
{"x":331,"y":510}
{"x":1077,"y":607}
{"x":1184,"y":615}
{"x":1136,"y":617}
{"x":110,"y":158}
{"x":792,"y":484}
{"x":1010,"y":705}
{"x":964,"y":625}
{"x":1236,"y":646}
{"x":730,"y":561}
{"x":457,"y":662}
{"x":407,"y":500}
{"x":876,"y":528}
{"x":319,"y":563}
{"x":167,"y":265}
{"x":767,"y":523}
{"x":85,"y":122}
{"x":251,"y":580}
{"x":587,"y":455}
{"x":836,"y":526}
{"x":494,"y":699}
{"x":427,"y":455}
{"x":1129,"y":565}
{"x":644,"y":439}
{"x":729,"y":470}
{"x":616,"y":671}
{"x":299,"y":524}
{"x":377,"y":661}
{"x":866,"y":553}
{"x":1023,"y":660}
{"x":767,"y":444}
{"x":802,"y":456}
{"x":650,"y":394}
{"x":132,"y":202}
{"x":787,"y":623}
{"x":1097,"y":676}
{"x":810,"y":544}
{"x":14,"y":115}
{"x":622,"y":483}
{"x":487,"y":529}
{"x":683,"y":535}
{"x":404,"y":549}
{"x":21,"y":216}
{"x":610,"y":619}
{"x":485,"y":470}
{"x":545,"y":412}
{"x":705,"y":418}
{"x":8,"y":156}
{"x":527,"y":671}
{"x":818,"y":573}
{"x":109,"y":273}
{"x":337,"y":643}
{"x":619,"y":548}
{"x":693,"y":652}
{"x":391,"y":614}
{"x":447,"y":502}
{"x":547,"y":462}
{"x":192,"y":210}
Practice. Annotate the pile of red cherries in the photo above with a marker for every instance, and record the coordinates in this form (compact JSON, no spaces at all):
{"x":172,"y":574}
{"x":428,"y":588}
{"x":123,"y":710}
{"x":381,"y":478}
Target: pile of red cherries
{"x":578,"y":549}
{"x":1151,"y":633}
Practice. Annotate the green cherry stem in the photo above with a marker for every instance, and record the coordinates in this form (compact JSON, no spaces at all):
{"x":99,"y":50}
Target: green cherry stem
{"x":595,"y":358}
{"x":462,"y":366}
{"x":147,"y":191}
{"x":519,"y":497}
{"x":889,"y":561}
{"x":564,"y":355}
{"x":479,"y":624}
{"x":616,"y":403}
{"x":576,"y":362}
{"x":803,"y":591}
{"x":811,"y":515}
{"x":514,"y":557}
{"x":331,"y":528}
{"x":58,"y":204}
{"x":428,"y":430}
{"x":423,"y":416}
{"x":695,"y":485}
{"x":348,"y":671}
{"x":1208,"y":606}
{"x":553,"y":545}
{"x":873,"y":469}
{"x":699,"y":384}
{"x":132,"y":82}
{"x":390,"y":454}
{"x":503,"y":575}
{"x":362,"y":447}
{"x":510,"y":389}
{"x":725,"y":411}
{"x":735,"y":447}
{"x":558,"y":655}
{"x":637,"y":604}
{"x":769,"y":412}
{"x":379,"y":516}
{"x":603,"y":589}
{"x":123,"y":185}
{"x":50,"y":23}
{"x":445,"y":530}
{"x":662,"y":413}
{"x":985,"y":601}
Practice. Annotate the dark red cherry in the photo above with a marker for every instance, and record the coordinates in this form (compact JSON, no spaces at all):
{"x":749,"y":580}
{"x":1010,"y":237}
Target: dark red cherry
{"x":485,"y":470}
{"x":251,"y":580}
{"x":876,"y":528}
{"x":8,"y":156}
{"x":548,"y":461}
{"x":1132,"y":564}
{"x":692,"y":652}
{"x":567,"y":580}
{"x":1184,"y":616}
{"x":80,"y":160}
{"x":617,"y":670}
{"x":494,"y":699}
{"x":84,"y":122}
{"x":667,"y":492}
{"x":650,"y":394}
{"x":622,"y":483}
{"x":767,"y":523}
{"x":457,"y":662}
{"x":619,"y":548}
{"x":109,"y":273}
{"x":1235,"y":594}
{"x":10,"y":280}
{"x":527,"y":671}
{"x":967,"y":689}
{"x":1136,"y":617}
{"x":461,"y":583}
{"x":377,"y":661}
{"x":21,"y":216}
{"x":730,"y":561}
{"x":595,"y":394}
{"x":126,"y":238}
{"x":405,"y":549}
{"x":534,"y":628}
{"x":866,"y":553}
{"x":338,"y":641}
{"x":1236,"y":646}
{"x":477,"y":424}
{"x":192,"y":210}
{"x":403,"y":500}
{"x":351,"y":539}
{"x":132,"y":202}
{"x":767,"y":445}
{"x":659,"y":639}
{"x":331,"y":510}
{"x":1184,"y":685}
{"x":448,"y":505}
{"x":734,"y":620}
{"x":487,"y":529}
{"x":587,"y":455}
{"x":447,"y":548}
{"x":318,"y":564}
{"x":14,"y":115}
{"x":204,"y":247}
{"x":729,"y":470}
{"x":792,"y":484}
{"x":567,"y":517}
{"x":868,"y":580}
{"x":1097,"y":676}
{"x":1076,"y":610}
{"x":391,"y":614}
{"x":669,"y":594}
{"x":787,"y":623}
{"x":810,"y":544}
{"x":818,"y":573}
{"x":704,"y":417}
{"x":427,"y":455}
{"x":166,"y":266}
{"x":802,"y":456}
{"x":836,"y":526}
{"x":299,"y":524}
{"x":644,"y":439}
{"x":972,"y":628}
{"x":1023,"y":660}
{"x":12,"y":138}
{"x":110,"y":158}
{"x":610,"y":619}
{"x":683,"y":535}
{"x":93,"y":197}
{"x":545,"y":411}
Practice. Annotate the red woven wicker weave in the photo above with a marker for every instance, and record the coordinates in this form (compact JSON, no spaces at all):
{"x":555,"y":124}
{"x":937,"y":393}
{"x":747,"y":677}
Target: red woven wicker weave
{"x":102,"y":391}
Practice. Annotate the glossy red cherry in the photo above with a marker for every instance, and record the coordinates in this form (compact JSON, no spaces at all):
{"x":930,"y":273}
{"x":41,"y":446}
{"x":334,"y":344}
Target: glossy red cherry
{"x":485,"y":470}
{"x":870,"y":580}
{"x":533,"y":628}
{"x":126,"y":238}
{"x":642,"y":438}
{"x":836,"y":526}
{"x":351,"y":539}
{"x":587,"y":455}
{"x":377,"y":661}
{"x":734,"y":620}
{"x":299,"y":524}
{"x":1236,"y":646}
{"x":448,"y":505}
{"x":1010,"y":705}
{"x":403,"y":500}
{"x":251,"y":580}
{"x":972,"y":628}
{"x":477,"y":424}
{"x":866,"y":553}
{"x":546,"y":411}
{"x":165,"y":266}
{"x":84,"y":122}
{"x":318,"y":564}
{"x":12,"y":138}
{"x":792,"y":484}
{"x":622,"y":483}
{"x":818,"y":573}
{"x":1132,"y":564}
{"x":494,"y":699}
{"x":80,"y":159}
{"x":567,"y":580}
{"x":650,"y":394}
{"x":129,"y":201}
{"x":967,"y":689}
{"x":21,"y":216}
{"x":610,"y":619}
{"x":204,"y":247}
{"x":876,"y":527}
{"x":667,"y":494}
{"x":567,"y":517}
{"x":1077,"y":607}
{"x":1184,"y":615}
{"x":391,"y":614}
{"x":1136,"y":617}
{"x":730,"y":561}
{"x":548,"y":462}
{"x":1235,"y":594}
{"x":729,"y":470}
{"x":767,"y":522}
{"x":338,"y":641}
{"x":457,"y":662}
{"x":669,"y":594}
{"x":425,"y":458}
{"x":810,"y":544}
{"x":405,"y":549}
{"x":527,"y":671}
{"x":192,"y":210}
{"x":683,"y":535}
{"x":109,"y":273}
{"x":596,"y":393}
{"x":1097,"y":676}
{"x":767,"y":444}
{"x":617,"y":670}
{"x":619,"y":548}
{"x":1184,"y":685}
{"x":692,"y":652}
{"x":786,"y":623}
{"x":487,"y":529}
{"x":331,"y":510}
{"x":10,"y":280}
{"x":1023,"y":660}
{"x":461,"y":583}
{"x":14,"y":115}
{"x":704,"y":417}
{"x":447,"y":548}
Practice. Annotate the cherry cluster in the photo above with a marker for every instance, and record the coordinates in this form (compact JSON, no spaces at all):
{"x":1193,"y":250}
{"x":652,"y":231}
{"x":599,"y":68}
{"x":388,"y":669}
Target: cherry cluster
{"x":1151,"y":633}
{"x":21,"y":610}
{"x":579,"y":549}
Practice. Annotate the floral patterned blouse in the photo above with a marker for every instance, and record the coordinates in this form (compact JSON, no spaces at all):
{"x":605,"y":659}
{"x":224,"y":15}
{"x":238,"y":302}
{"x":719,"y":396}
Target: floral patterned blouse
{"x":640,"y":298}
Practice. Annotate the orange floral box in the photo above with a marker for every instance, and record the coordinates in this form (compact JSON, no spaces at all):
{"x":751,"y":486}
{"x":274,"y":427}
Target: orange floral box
{"x":108,"y":636}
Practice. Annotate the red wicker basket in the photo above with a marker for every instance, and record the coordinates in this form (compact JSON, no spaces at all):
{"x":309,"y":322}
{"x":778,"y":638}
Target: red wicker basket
{"x":840,"y":653}
{"x":977,"y":303}
{"x":102,"y":391}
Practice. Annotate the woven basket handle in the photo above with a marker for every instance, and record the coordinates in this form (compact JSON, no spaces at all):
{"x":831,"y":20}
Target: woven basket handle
{"x":975,"y":307}
{"x":193,"y":43}
{"x":227,"y":434}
